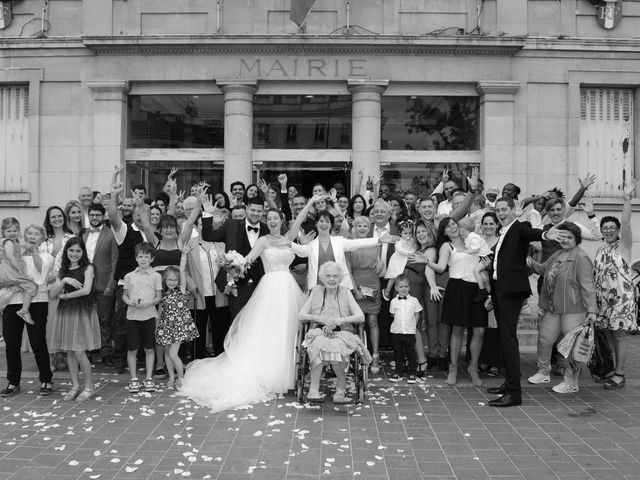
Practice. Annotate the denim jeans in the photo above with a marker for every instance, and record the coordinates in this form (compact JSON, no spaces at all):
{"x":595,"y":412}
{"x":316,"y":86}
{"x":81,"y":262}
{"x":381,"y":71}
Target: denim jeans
{"x":551,"y":326}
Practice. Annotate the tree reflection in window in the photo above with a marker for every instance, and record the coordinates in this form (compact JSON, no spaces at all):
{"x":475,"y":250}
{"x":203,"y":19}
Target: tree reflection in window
{"x":429,"y":123}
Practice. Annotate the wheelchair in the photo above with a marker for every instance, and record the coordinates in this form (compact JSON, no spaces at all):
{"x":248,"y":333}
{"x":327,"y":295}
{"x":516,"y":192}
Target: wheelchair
{"x":357,"y":368}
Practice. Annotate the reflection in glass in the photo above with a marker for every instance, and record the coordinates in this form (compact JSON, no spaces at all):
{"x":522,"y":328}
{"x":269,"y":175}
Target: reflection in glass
{"x":302,"y":121}
{"x":304,"y":175}
{"x":176,"y":121}
{"x":421,"y":178}
{"x":153,"y":175}
{"x":429,"y":123}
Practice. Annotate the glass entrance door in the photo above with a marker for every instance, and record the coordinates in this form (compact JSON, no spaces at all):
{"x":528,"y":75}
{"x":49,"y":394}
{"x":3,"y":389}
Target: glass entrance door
{"x":304,"y":175}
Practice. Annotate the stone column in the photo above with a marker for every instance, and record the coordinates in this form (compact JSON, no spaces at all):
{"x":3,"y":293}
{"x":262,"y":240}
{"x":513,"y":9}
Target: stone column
{"x":497,"y":131}
{"x":365,"y":142}
{"x":238,"y":131}
{"x":109,"y":131}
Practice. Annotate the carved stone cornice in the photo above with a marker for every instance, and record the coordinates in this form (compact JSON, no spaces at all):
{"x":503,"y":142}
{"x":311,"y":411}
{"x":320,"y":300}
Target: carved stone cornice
{"x":303,"y":45}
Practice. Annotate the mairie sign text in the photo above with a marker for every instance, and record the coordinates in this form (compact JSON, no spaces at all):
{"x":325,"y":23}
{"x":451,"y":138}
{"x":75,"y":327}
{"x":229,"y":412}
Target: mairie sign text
{"x":302,"y":68}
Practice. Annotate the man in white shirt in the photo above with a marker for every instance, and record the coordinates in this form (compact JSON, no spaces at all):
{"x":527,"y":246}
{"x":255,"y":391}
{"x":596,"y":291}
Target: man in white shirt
{"x":85,"y":197}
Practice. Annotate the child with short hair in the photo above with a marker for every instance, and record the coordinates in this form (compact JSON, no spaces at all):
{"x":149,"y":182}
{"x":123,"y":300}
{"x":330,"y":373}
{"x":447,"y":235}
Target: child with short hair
{"x":12,"y":268}
{"x":406,"y":315}
{"x":176,"y":323}
{"x":403,"y":248}
{"x":142,"y":292}
{"x":476,"y":245}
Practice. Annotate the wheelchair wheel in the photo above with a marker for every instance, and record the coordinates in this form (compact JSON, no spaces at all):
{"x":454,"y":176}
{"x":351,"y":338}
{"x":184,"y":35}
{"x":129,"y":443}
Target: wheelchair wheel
{"x":301,"y":371}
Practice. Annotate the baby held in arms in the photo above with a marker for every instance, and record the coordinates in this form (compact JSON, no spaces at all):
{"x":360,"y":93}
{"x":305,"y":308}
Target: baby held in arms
{"x":476,"y":245}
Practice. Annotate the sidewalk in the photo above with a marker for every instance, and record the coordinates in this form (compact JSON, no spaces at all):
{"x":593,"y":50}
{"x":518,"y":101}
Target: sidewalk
{"x":423,"y":431}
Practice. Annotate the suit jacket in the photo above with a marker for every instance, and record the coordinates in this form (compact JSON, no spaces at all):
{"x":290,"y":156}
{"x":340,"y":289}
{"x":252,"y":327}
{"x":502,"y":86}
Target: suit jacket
{"x":105,"y":259}
{"x":339,"y":246}
{"x":393,"y":230}
{"x":234,"y":235}
{"x":512,"y":271}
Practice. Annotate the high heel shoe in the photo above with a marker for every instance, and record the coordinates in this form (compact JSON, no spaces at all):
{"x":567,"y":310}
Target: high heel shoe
{"x":375,"y":364}
{"x":452,"y":376}
{"x":473,"y":373}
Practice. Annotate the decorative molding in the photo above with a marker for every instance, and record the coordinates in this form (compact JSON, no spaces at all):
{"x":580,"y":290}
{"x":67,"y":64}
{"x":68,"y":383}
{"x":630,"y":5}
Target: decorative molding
{"x":292,"y":45}
{"x":499,"y":87}
{"x":376,"y":86}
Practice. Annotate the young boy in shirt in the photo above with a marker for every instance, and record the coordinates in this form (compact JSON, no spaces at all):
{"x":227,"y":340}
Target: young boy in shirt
{"x":406,"y":315}
{"x":142,"y":292}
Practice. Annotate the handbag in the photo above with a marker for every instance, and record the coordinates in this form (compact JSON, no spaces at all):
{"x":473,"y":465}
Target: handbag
{"x":583,"y":345}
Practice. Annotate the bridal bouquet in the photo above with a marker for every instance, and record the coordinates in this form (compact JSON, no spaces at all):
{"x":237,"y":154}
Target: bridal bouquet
{"x":235,"y":265}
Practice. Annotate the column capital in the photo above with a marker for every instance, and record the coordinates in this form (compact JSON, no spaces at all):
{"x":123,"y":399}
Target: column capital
{"x":109,"y":89}
{"x":238,"y":86}
{"x":360,"y":85}
{"x":499,"y":87}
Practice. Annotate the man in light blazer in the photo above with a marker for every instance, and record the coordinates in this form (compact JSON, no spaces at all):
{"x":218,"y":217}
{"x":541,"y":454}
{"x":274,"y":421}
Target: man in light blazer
{"x":510,"y":287}
{"x":102,"y":251}
{"x":381,"y":225}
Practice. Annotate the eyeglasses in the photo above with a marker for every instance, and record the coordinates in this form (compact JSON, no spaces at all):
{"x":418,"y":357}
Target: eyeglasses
{"x":609,"y":229}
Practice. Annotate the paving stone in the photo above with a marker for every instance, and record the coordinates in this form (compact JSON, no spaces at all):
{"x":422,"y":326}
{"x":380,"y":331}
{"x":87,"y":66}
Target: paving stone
{"x":397,"y":434}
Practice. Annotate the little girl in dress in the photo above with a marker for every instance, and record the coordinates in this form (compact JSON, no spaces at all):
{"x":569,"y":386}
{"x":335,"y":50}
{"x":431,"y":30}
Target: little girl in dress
{"x":405,"y":247}
{"x":176,"y":324}
{"x":12,"y":276}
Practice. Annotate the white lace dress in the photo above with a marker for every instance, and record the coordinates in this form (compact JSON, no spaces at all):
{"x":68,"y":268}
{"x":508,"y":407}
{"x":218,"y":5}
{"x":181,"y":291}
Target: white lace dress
{"x":259,"y":360}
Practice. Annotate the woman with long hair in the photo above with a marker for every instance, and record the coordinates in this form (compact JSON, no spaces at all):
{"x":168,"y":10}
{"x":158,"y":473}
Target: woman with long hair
{"x":73,"y":211}
{"x":458,"y":306}
{"x":76,"y":328}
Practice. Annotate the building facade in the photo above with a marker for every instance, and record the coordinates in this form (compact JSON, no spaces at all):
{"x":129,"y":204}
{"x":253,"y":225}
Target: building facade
{"x":535,"y":92}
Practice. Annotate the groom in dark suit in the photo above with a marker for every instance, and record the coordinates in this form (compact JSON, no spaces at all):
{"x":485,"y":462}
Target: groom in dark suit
{"x":510,"y":287}
{"x":241,"y":236}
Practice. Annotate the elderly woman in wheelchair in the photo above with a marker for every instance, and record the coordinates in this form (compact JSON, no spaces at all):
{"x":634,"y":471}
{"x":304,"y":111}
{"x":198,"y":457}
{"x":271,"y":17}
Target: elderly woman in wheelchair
{"x":332,"y":312}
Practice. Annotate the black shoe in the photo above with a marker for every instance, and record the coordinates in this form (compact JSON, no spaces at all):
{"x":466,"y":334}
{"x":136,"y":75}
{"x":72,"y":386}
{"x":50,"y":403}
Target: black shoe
{"x":431,"y":362}
{"x":46,"y":388}
{"x":10,"y":390}
{"x":501,"y":390}
{"x":160,"y":373}
{"x":108,"y":361}
{"x":120,"y":369}
{"x":506,"y":401}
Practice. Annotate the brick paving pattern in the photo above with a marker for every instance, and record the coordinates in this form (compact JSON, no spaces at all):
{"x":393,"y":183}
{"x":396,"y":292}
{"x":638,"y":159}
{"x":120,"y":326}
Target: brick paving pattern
{"x":423,"y":431}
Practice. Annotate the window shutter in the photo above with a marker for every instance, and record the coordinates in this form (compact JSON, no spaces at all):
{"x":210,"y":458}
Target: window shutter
{"x":14,"y":137}
{"x":606,"y":138}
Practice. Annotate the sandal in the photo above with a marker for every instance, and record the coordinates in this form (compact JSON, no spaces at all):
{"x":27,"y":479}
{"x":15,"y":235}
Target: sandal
{"x":603,"y":378}
{"x":70,"y":395}
{"x":86,"y":394}
{"x":493,"y":372}
{"x":421,"y":372}
{"x":611,"y":384}
{"x":26,"y":316}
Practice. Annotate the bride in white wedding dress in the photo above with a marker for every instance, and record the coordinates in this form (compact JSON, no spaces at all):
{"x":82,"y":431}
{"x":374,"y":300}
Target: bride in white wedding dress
{"x":259,"y":358}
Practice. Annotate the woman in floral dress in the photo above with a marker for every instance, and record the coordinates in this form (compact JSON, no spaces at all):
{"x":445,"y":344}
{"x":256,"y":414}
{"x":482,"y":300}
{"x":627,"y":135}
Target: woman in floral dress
{"x":615,"y":289}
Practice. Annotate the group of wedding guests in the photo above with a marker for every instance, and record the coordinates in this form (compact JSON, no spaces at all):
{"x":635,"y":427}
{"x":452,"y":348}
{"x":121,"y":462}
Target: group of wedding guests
{"x":117,"y":274}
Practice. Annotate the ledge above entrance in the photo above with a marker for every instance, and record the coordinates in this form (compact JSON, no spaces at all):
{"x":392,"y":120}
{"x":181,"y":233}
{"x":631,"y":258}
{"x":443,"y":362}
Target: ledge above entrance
{"x":304,"y":44}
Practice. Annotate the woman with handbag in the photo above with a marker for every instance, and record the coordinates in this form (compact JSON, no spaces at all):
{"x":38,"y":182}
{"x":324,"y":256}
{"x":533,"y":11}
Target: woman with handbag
{"x":567,"y":299}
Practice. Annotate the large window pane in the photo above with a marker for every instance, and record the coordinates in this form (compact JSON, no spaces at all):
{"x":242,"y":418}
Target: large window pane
{"x":422,"y":178}
{"x":176,"y":121}
{"x":302,"y":121}
{"x":429,"y":123}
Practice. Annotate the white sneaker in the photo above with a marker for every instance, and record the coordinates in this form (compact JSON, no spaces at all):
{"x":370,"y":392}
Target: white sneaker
{"x":564,"y":387}
{"x":538,"y":378}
